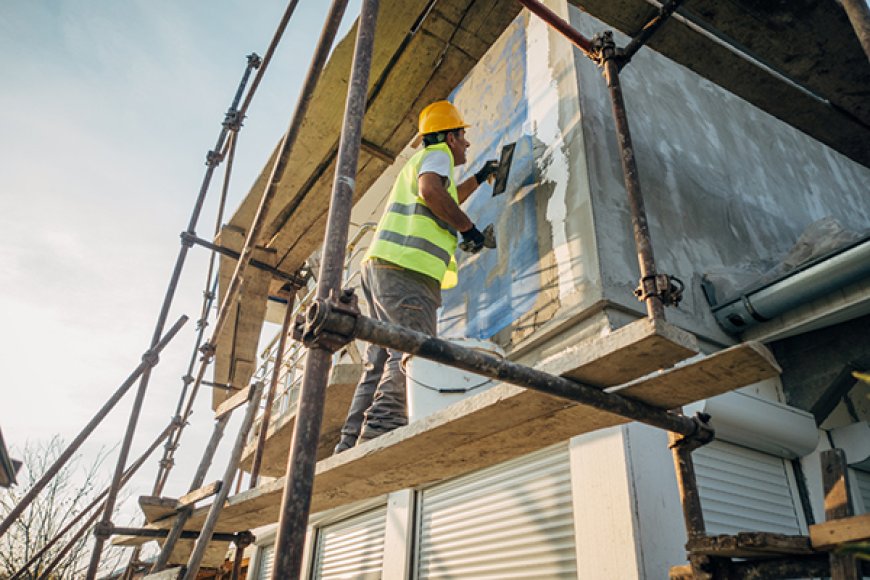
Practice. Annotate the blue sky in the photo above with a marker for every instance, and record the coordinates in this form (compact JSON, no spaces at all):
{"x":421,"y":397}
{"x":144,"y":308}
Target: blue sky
{"x":106,"y":113}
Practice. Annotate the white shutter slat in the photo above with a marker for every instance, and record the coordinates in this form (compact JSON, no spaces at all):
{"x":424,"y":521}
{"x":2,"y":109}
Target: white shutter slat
{"x":353,"y":548}
{"x":863,"y":491}
{"x":743,"y":489}
{"x":511,"y":521}
{"x":266,"y":559}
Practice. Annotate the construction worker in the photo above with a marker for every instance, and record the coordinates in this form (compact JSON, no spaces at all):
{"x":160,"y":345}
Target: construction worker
{"x":410,"y":260}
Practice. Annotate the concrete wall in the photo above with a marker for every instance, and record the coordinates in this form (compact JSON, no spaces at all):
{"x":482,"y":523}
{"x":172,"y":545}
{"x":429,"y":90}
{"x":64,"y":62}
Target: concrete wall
{"x":726,"y":185}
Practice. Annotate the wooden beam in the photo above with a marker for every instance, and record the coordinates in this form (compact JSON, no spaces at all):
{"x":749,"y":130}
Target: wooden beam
{"x":828,"y":535}
{"x":750,"y":545}
{"x":838,"y":505}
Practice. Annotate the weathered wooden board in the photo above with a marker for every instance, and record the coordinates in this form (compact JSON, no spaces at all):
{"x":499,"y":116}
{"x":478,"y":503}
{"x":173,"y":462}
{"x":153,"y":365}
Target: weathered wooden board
{"x":237,"y":343}
{"x":750,"y":545}
{"x":196,"y":495}
{"x":339,"y":392}
{"x":501,"y":423}
{"x":157,"y":508}
{"x":827,"y":535}
{"x":168,"y":574}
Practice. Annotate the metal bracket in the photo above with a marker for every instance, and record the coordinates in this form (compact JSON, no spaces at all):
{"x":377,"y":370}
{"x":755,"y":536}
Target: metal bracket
{"x":213,"y":158}
{"x":254,"y":60}
{"x":244,"y":539}
{"x":605,"y":48}
{"x":104,"y":529}
{"x":668,"y":288}
{"x":321,"y":327}
{"x":208,"y":350}
{"x":704,"y":434}
{"x":233,"y":120}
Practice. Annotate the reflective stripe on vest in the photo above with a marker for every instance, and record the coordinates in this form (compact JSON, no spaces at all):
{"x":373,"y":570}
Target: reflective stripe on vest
{"x":409,"y":234}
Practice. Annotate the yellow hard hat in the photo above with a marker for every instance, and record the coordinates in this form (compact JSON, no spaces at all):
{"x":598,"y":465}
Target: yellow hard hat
{"x":440,"y":116}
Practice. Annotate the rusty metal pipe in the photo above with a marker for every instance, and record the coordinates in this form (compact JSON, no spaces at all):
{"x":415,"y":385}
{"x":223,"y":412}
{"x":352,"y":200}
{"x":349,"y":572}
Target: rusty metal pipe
{"x":650,"y":28}
{"x":296,"y":500}
{"x":555,"y":21}
{"x":243,"y":540}
{"x":224,"y":251}
{"x":267,"y":56}
{"x":154,"y":533}
{"x":321,"y":52}
{"x":149,"y":359}
{"x":396,"y":337}
{"x":687,"y":484}
{"x":213,"y":159}
{"x":273,"y":387}
{"x":859,"y":15}
{"x":654,"y":306}
{"x":208,"y":527}
{"x":198,"y":479}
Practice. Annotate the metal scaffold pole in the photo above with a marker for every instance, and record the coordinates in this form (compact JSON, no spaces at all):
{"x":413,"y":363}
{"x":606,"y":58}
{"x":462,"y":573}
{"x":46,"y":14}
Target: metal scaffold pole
{"x":296,"y":499}
{"x":217,"y":505}
{"x":655,"y":290}
{"x":273,"y":387}
{"x":648,"y":288}
{"x":213,"y":159}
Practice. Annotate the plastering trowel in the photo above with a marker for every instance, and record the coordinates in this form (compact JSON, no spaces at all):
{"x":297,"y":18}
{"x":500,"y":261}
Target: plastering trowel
{"x":504,"y":167}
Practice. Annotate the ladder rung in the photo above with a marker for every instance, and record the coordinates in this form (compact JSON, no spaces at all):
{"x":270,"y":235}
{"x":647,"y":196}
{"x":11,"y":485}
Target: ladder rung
{"x":233,"y":402}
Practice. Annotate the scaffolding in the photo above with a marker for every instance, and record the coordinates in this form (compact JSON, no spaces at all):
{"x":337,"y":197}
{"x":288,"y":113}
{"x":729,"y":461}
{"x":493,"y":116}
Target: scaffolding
{"x":332,"y":320}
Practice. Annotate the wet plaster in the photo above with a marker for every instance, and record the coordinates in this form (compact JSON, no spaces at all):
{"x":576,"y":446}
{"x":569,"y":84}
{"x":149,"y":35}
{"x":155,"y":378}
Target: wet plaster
{"x":727,"y":187}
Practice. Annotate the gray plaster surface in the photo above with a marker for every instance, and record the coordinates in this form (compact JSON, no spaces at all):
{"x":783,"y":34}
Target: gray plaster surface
{"x":726,"y":185}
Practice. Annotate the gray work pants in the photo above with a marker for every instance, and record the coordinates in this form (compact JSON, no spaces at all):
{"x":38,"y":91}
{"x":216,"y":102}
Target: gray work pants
{"x":397,"y":296}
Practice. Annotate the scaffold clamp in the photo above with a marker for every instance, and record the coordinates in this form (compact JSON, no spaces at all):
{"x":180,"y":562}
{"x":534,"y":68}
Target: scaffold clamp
{"x":669,"y":289}
{"x":703,"y":434}
{"x":329,"y":323}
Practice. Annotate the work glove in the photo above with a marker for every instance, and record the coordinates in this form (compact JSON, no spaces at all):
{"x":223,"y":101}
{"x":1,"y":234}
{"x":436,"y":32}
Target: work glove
{"x":473,"y":240}
{"x":487,"y":171}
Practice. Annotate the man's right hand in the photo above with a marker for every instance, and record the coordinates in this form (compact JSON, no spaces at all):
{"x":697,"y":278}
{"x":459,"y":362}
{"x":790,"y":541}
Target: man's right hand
{"x":472,"y":240}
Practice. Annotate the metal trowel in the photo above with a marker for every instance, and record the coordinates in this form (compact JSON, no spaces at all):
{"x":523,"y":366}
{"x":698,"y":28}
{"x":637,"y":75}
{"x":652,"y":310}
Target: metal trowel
{"x":504,"y":167}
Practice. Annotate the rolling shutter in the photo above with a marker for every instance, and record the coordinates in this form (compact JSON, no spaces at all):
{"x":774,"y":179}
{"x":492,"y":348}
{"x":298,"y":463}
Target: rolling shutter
{"x":511,"y":521}
{"x":265,"y":559}
{"x":863,"y":488}
{"x":745,"y":490}
{"x":353,"y":548}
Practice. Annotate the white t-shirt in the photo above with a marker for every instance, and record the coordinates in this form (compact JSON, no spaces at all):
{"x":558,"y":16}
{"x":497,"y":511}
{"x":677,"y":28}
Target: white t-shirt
{"x":436,"y":162}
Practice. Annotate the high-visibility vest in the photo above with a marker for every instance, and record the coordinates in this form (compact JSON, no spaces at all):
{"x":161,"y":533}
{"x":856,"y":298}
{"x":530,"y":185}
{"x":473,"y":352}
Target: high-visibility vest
{"x":409,"y":234}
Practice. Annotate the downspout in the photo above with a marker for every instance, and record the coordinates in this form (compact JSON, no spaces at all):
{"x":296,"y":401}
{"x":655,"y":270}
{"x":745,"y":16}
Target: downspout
{"x":806,"y":283}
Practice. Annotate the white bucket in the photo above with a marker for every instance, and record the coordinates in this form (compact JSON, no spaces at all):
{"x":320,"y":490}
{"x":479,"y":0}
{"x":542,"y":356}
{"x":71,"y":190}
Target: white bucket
{"x":433,"y":386}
